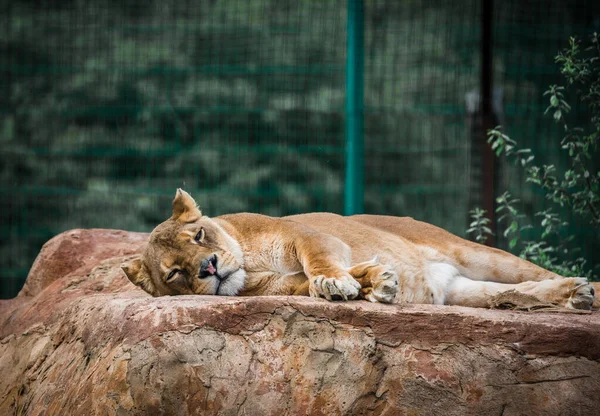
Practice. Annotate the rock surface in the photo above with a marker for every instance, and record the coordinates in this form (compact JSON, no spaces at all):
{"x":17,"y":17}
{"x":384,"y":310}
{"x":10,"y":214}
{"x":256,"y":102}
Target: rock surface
{"x":80,"y":339}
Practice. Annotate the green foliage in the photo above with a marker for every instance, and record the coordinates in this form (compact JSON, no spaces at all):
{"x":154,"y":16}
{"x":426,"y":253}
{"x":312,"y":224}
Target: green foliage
{"x":510,"y":216}
{"x":576,"y":189}
{"x":479,"y":227}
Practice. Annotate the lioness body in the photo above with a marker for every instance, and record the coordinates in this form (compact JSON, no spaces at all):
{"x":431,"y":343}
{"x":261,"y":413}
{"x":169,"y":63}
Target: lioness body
{"x":380,"y":258}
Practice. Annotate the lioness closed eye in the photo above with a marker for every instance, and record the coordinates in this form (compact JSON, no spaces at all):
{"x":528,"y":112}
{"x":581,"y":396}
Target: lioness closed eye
{"x":378,"y":258}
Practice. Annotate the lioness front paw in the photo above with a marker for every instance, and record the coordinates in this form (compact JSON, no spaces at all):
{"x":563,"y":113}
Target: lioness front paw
{"x":334,"y":288}
{"x":384,"y":285}
{"x":582,"y":294}
{"x":379,"y":281}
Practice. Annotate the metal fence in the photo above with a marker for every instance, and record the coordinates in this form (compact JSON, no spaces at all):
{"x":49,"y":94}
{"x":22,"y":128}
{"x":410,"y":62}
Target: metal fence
{"x":106,"y":107}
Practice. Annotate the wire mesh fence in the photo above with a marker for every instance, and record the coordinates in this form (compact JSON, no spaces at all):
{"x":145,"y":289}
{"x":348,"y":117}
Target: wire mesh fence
{"x":106,"y":107}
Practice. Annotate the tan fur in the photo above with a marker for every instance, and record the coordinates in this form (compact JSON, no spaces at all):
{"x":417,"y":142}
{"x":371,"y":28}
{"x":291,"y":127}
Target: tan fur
{"x":379,"y":258}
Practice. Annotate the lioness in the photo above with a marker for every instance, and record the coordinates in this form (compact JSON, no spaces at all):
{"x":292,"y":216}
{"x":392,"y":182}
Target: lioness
{"x":378,"y":258}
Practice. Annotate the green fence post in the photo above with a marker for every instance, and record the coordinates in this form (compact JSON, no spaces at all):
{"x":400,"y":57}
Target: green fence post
{"x":355,"y":161}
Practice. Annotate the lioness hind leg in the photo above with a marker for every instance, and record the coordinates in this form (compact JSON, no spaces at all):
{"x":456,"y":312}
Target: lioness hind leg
{"x":379,"y":282}
{"x":572,"y":293}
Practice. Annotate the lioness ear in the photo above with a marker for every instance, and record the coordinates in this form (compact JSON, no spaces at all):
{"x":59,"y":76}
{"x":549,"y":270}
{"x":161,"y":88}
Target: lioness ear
{"x":135,"y":273}
{"x":184,"y":207}
{"x":133,"y":270}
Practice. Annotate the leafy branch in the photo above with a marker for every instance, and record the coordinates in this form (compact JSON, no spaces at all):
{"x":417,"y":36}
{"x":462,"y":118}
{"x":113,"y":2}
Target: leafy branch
{"x":576,"y":188}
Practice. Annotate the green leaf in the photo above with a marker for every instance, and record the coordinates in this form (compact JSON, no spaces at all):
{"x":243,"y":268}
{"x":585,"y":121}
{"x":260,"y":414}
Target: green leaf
{"x":557,"y":115}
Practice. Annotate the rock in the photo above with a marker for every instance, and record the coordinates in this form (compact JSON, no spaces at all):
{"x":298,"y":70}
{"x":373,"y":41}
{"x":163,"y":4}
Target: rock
{"x":80,"y":339}
{"x":78,"y":250}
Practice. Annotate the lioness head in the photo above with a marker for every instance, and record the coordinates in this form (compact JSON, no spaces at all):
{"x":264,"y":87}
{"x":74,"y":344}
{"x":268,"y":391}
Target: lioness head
{"x":188,"y":254}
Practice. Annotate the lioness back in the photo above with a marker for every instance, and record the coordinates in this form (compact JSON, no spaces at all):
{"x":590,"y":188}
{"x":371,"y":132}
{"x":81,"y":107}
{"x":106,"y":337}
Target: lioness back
{"x":365,"y":239}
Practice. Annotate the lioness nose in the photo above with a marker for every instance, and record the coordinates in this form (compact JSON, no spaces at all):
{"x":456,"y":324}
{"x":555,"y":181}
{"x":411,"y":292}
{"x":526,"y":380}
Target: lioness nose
{"x":208,"y":267}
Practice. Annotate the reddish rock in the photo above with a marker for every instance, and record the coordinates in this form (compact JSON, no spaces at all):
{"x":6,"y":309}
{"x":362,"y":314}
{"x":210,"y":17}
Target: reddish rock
{"x":80,"y":251}
{"x":80,"y":339}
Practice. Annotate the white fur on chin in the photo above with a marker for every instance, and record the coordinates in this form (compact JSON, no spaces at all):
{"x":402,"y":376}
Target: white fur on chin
{"x":233,"y":284}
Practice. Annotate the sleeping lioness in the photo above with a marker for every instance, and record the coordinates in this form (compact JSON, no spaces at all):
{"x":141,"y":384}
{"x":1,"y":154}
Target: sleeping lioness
{"x":378,"y":258}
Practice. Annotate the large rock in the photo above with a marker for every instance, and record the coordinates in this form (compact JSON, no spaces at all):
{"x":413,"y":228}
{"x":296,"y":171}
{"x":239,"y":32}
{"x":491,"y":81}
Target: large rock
{"x":80,"y":339}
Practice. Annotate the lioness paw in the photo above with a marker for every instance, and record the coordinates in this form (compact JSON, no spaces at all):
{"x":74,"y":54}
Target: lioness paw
{"x":384,"y":285}
{"x":379,"y":282}
{"x":581,"y":295}
{"x":334,"y":288}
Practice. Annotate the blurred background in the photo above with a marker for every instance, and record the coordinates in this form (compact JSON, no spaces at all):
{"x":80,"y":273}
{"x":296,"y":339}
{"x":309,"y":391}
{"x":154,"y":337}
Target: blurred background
{"x":107,"y":106}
